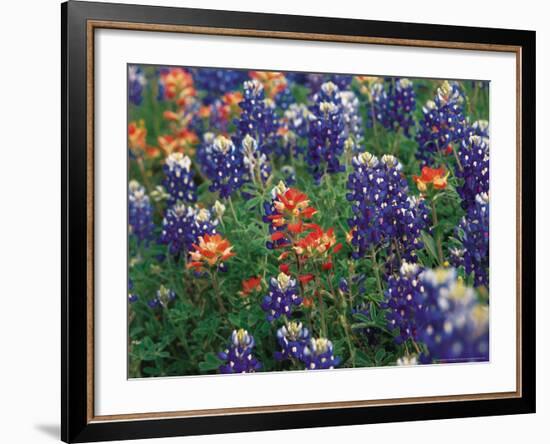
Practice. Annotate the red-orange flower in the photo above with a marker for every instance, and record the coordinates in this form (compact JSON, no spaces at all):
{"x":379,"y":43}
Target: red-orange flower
{"x":211,"y":251}
{"x":291,"y":207}
{"x":178,"y":85}
{"x":137,"y":134}
{"x":183,"y":141}
{"x":305,"y":278}
{"x":251,"y":284}
{"x":284,"y":268}
{"x":272,"y":81}
{"x":316,"y":242}
{"x":434,"y":176}
{"x":137,"y":139}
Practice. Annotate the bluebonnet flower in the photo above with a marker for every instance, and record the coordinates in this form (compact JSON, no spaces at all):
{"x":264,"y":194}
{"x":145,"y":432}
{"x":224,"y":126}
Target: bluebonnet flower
{"x":342,"y":81}
{"x":296,"y":118}
{"x":136,"y":83}
{"x":162,"y":298}
{"x":443,"y":123}
{"x":383,"y":212}
{"x":394,"y":103}
{"x":407,"y":360}
{"x":474,"y":168}
{"x":318,"y":354}
{"x":216,"y":82}
{"x":178,"y":181}
{"x":480,"y":128}
{"x":227,"y":170}
{"x":293,"y":128}
{"x":257,"y":117}
{"x":402,"y":298}
{"x":132,"y":297}
{"x":353,"y":123}
{"x":289,"y":174}
{"x":455,"y":326}
{"x":183,"y":225}
{"x":140,"y":213}
{"x":292,"y":339}
{"x":474,"y":233}
{"x":238,"y":356}
{"x":343,"y":285}
{"x":326,"y":133}
{"x":282,"y":296}
{"x":255,"y":162}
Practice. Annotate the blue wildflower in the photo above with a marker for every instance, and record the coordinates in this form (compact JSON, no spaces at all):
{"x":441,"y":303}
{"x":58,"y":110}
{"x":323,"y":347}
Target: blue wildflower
{"x":318,"y":354}
{"x":215,"y":82}
{"x":474,"y":169}
{"x":255,"y":162}
{"x":443,"y":123}
{"x":183,"y":225}
{"x":326,"y":133}
{"x":178,"y":181}
{"x":394,"y":102}
{"x":474,"y":232}
{"x":292,"y":339}
{"x":283,"y":295}
{"x":162,"y":298}
{"x":136,"y":84}
{"x":454,"y":325}
{"x":353,"y":123}
{"x":238,"y":356}
{"x":140,"y":213}
{"x":257,"y":117}
{"x":227,"y":170}
{"x":132,"y":297}
{"x":384,"y":215}
{"x":402,"y":302}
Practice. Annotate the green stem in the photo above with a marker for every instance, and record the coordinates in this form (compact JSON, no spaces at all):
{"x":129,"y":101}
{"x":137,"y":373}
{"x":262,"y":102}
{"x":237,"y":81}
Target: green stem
{"x":233,"y":211}
{"x":437,"y":237}
{"x":216,"y":287}
{"x":376,"y":268}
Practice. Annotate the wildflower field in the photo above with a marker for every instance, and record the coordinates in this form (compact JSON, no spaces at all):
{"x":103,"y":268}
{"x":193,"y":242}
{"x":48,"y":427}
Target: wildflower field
{"x":294,"y":221}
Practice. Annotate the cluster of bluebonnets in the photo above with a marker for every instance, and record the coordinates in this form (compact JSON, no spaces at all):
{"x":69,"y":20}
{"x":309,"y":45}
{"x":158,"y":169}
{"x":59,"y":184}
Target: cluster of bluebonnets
{"x":296,"y":221}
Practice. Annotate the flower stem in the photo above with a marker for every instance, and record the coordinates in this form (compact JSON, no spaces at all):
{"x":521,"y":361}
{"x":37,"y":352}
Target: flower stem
{"x":217,"y":292}
{"x":233,"y":211}
{"x":437,"y":237}
{"x":376,"y":268}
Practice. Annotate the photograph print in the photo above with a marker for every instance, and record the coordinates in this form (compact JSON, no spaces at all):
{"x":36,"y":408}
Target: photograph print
{"x":283,"y":221}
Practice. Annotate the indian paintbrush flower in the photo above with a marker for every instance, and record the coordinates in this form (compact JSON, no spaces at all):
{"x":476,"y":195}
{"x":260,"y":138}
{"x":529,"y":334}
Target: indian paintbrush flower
{"x":211,"y":251}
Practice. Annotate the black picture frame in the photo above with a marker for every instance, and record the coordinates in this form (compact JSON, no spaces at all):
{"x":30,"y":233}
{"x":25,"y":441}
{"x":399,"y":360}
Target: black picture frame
{"x":76,"y":423}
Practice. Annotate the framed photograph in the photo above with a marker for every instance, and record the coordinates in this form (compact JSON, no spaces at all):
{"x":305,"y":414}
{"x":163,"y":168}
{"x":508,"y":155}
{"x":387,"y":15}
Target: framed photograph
{"x":276,"y":221}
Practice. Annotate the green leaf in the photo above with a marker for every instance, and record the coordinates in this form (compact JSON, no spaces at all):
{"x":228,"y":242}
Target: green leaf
{"x":211,"y":362}
{"x":429,"y":243}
